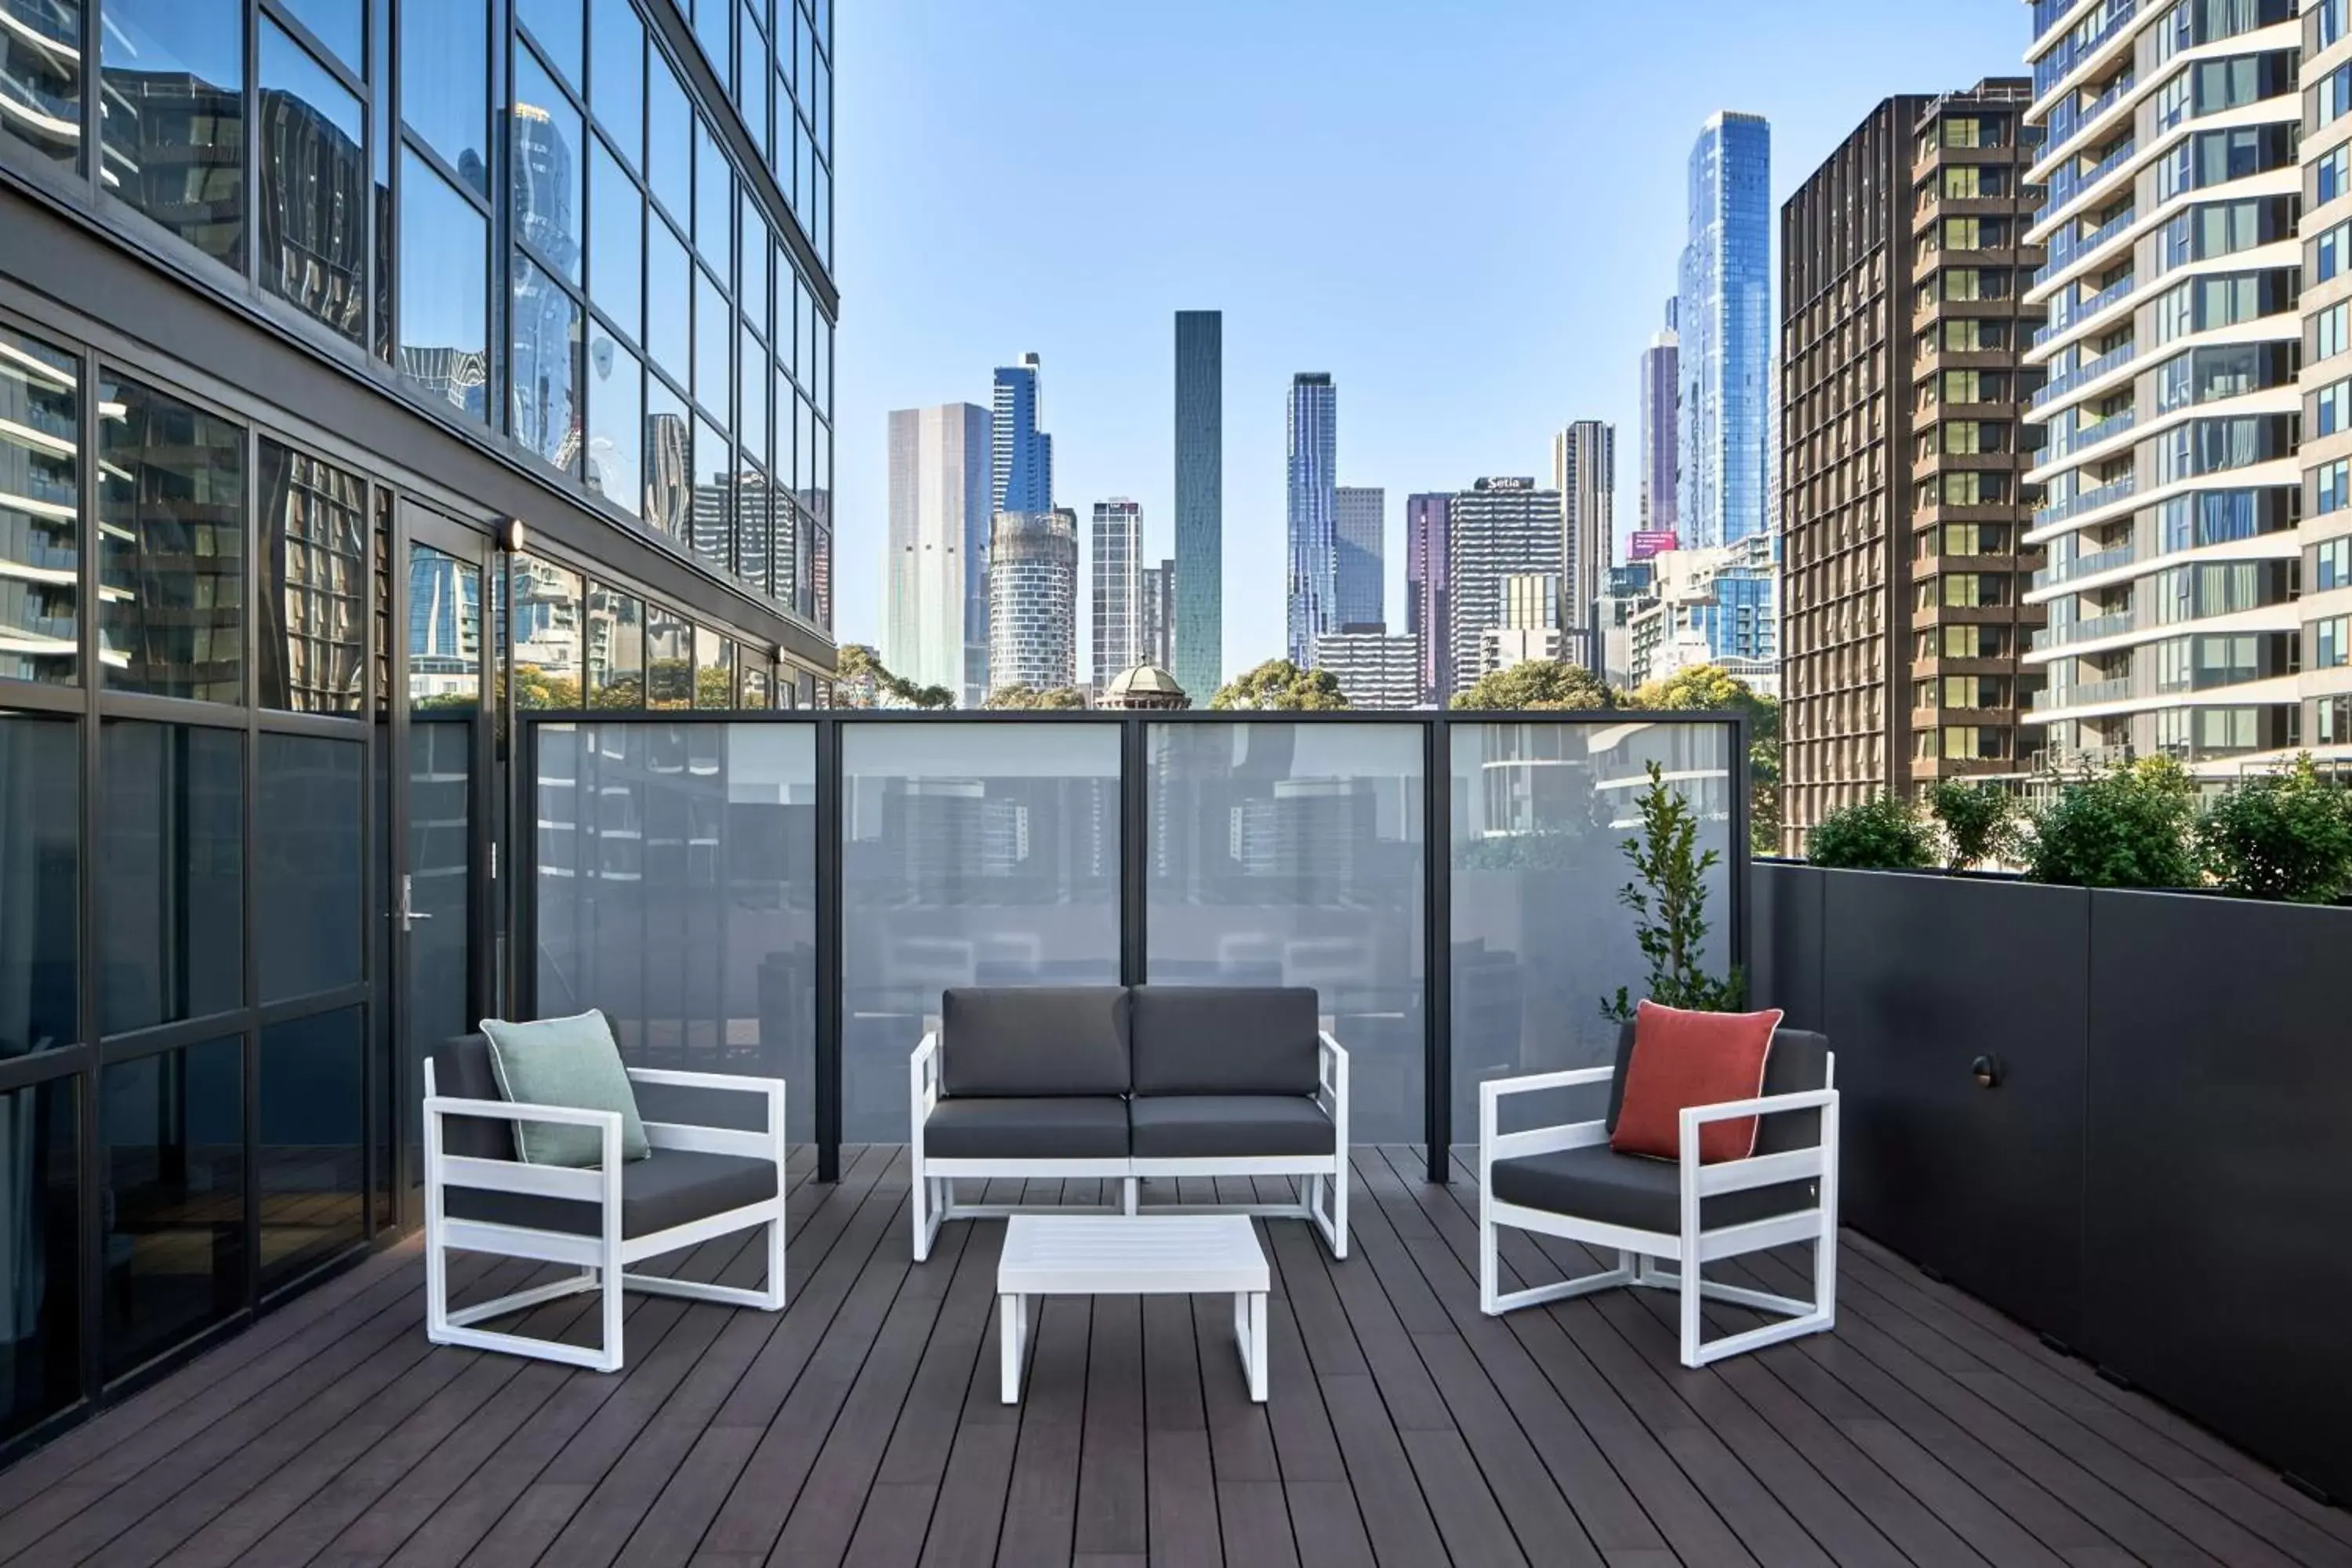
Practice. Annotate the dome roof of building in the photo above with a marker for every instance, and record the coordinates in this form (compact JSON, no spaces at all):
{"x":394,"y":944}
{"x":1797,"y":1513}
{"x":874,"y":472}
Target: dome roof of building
{"x":1145,"y":685}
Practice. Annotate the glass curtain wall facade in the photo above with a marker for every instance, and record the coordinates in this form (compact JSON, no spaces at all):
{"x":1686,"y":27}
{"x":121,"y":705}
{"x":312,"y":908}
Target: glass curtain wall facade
{"x":265,"y":633}
{"x":1198,"y":635}
{"x":1313,"y":601}
{"x":1724,"y":316}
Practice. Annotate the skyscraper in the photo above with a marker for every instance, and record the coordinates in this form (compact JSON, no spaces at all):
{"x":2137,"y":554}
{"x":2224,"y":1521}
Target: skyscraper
{"x":1033,"y":600}
{"x":1359,"y":519}
{"x":1428,"y":598}
{"x":1903,"y":502}
{"x":1159,"y":614}
{"x":1314,"y":583}
{"x":935,"y":613}
{"x":1498,"y":529}
{"x":1723,"y":317}
{"x":1661,"y":386}
{"x":1375,"y":669}
{"x":1021,"y":460}
{"x":1198,"y":632}
{"x":1116,"y":576}
{"x":1584,"y":472}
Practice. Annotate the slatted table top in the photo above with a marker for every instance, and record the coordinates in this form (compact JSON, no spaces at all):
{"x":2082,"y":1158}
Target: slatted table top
{"x":1128,"y":1255}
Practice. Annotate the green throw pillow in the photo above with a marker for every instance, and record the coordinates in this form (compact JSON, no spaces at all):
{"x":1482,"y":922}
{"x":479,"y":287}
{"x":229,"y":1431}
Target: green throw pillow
{"x":571,"y":1062}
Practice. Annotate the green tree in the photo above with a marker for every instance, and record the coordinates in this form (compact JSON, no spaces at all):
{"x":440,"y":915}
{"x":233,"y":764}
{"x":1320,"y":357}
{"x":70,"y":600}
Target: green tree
{"x":2128,"y":826}
{"x":1281,"y":685}
{"x":1881,"y":834}
{"x":714,"y":687}
{"x":1030,"y":697}
{"x":2286,"y":835}
{"x":1715,"y":688}
{"x":1980,"y":821}
{"x":857,"y":669}
{"x":1669,"y":905}
{"x":1536,"y":684}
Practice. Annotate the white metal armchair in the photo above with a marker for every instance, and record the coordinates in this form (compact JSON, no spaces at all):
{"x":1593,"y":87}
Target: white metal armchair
{"x":1565,"y":1181}
{"x":699,"y":1184}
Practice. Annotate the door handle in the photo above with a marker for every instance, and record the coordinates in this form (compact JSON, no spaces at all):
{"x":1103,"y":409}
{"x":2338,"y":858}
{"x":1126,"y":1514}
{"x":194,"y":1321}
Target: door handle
{"x":409,"y":913}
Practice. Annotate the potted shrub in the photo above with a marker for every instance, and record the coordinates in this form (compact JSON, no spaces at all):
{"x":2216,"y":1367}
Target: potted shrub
{"x":2128,"y":826}
{"x":1881,"y":834}
{"x":1979,"y":822}
{"x":2286,"y":835}
{"x":1669,"y":905}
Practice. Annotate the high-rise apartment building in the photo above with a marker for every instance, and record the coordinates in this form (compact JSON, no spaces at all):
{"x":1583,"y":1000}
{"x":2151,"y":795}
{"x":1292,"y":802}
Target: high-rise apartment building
{"x":1708,"y":606}
{"x":1159,"y":614}
{"x":1724,"y":321}
{"x":1021,"y":463}
{"x":935,"y":587}
{"x":1033,"y":600}
{"x":1375,"y":668}
{"x":1661,"y":402}
{"x":1498,"y":529}
{"x":2166,"y":145}
{"x":1530,"y":628}
{"x":357,"y":363}
{"x":1584,"y":472}
{"x":2324,"y":690}
{"x":1199,"y":630}
{"x":1311,"y":604}
{"x":1428,"y":595}
{"x":1116,"y":575}
{"x":1903,"y":260}
{"x":1359,"y":520}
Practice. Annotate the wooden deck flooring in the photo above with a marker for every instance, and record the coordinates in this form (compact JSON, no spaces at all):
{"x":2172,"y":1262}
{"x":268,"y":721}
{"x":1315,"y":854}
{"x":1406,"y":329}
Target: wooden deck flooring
{"x":862,"y":1426}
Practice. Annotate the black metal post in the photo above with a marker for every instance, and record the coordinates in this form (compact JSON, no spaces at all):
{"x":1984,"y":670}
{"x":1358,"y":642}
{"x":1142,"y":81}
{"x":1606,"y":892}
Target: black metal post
{"x":1437,"y":942}
{"x":828,"y":949}
{"x":1134,"y":848}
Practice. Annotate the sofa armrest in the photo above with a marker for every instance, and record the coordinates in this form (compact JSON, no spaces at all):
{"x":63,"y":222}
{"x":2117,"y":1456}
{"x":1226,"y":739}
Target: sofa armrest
{"x":1331,"y":1091}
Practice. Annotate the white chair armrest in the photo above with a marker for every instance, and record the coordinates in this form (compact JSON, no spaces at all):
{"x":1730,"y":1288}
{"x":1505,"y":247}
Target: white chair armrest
{"x":1765,"y":1105}
{"x":522,"y":1111}
{"x":600,"y":1185}
{"x":1756,"y":1170}
{"x":1491,"y":1091}
{"x":770,"y":1089}
{"x":927,"y":1049}
{"x":737,"y":1083}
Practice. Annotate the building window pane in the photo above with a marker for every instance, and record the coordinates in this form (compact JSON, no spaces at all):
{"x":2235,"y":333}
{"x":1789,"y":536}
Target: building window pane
{"x":616,"y":649}
{"x":172,"y":517}
{"x":616,"y":75}
{"x":555,"y":27}
{"x":307,"y":866}
{"x":752,"y":420}
{"x":755,"y":79}
{"x":448,"y":104}
{"x":670,"y":659}
{"x":714,"y":475}
{"x":174,"y":120}
{"x":616,"y":413}
{"x":175,"y":1204}
{"x":752,"y":496}
{"x":312,"y":1151}
{"x":669,"y":490}
{"x":40,"y":883}
{"x":714,"y":334}
{"x":547,"y":645}
{"x":669,"y":141}
{"x":445,"y":637}
{"x":669,"y":299}
{"x":40,"y":1147}
{"x":616,"y":243}
{"x":313,"y":187}
{"x":171,"y":873}
{"x":714,"y":204}
{"x":40,"y":80}
{"x":40,"y":494}
{"x":545,"y":370}
{"x":548,"y":149}
{"x":311,"y":649}
{"x":714,"y":669}
{"x":340,"y":25}
{"x":751,"y":296}
{"x":445,"y":289}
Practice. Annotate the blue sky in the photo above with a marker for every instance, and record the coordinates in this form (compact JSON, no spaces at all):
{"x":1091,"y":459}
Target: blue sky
{"x":1469,"y":213}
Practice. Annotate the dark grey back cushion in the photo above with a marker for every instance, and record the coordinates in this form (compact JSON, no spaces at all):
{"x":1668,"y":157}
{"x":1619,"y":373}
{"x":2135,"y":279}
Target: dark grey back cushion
{"x":1799,"y":1060}
{"x":461,"y":1071}
{"x":1226,"y":1040}
{"x":1034,"y":1040}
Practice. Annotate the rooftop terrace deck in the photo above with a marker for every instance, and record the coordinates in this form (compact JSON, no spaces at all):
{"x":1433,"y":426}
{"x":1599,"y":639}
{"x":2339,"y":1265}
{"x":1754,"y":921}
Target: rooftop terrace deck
{"x":862,"y":1426}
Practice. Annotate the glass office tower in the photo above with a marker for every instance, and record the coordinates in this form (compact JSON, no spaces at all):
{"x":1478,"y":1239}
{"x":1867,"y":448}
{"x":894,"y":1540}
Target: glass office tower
{"x":1313,"y":603}
{"x":1724,"y":316}
{"x":367,"y":374}
{"x":1198,"y":632}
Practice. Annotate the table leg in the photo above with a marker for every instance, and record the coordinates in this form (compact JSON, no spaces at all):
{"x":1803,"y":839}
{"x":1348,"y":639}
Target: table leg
{"x":1253,"y":1347}
{"x":1013,"y":1342}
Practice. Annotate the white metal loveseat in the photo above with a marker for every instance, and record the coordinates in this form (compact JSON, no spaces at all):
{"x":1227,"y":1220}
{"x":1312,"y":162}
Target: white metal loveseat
{"x":1127,"y":1083}
{"x":699,"y":1184}
{"x":1565,"y":1181}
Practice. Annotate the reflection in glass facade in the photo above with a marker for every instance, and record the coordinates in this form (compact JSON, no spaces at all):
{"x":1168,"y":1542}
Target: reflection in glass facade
{"x":1725,"y":316}
{"x":310,"y":1149}
{"x":41,"y":487}
{"x":547,"y":646}
{"x":40,"y":78}
{"x":677,"y":891}
{"x":175,"y":1204}
{"x":545,"y":368}
{"x":444,"y":630}
{"x":173,"y":89}
{"x":616,"y":649}
{"x":40,"y":1353}
{"x":40,"y":883}
{"x":447,"y":107}
{"x":171,"y":873}
{"x":1541,"y":814}
{"x":971,"y":855}
{"x":309,"y":880}
{"x":313,"y":186}
{"x":1287,"y":854}
{"x":669,"y":661}
{"x":445,"y":289}
{"x":170,"y":558}
{"x":310,"y":653}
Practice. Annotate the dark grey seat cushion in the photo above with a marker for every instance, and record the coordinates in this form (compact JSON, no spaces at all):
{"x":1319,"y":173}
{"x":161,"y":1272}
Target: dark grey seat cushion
{"x":1798,"y":1061}
{"x":1032,"y":1127}
{"x":1031,"y":1041}
{"x":1226,"y":1040}
{"x":1598,"y":1183}
{"x":461,"y":1071}
{"x":1228,"y":1126}
{"x":670,"y":1187}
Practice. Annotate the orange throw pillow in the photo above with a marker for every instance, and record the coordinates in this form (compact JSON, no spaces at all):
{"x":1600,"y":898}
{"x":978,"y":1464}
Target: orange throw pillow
{"x":1682,"y":1059}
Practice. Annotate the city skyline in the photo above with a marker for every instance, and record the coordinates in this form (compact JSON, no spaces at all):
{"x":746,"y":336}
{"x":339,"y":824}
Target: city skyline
{"x":1528,"y":337}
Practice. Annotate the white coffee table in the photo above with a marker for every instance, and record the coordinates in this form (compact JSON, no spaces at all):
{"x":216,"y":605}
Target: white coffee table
{"x":1131,"y":1254}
